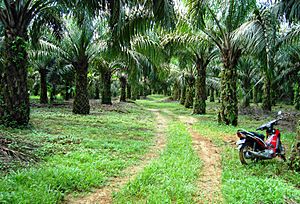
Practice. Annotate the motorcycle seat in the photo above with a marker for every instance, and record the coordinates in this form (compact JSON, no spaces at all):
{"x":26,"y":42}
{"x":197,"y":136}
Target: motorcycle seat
{"x":261,"y":136}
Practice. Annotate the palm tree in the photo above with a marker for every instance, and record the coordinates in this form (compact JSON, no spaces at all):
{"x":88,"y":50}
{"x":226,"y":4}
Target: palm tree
{"x":16,"y":17}
{"x":291,"y":9}
{"x":247,"y":71}
{"x":107,"y":66}
{"x":213,"y":80}
{"x":124,"y":27}
{"x":78,"y":47}
{"x":204,"y":53}
{"x":221,"y":32}
{"x":41,"y":60}
{"x":260,"y":35}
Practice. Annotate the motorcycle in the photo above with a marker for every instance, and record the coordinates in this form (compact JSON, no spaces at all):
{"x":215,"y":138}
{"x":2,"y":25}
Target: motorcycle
{"x":253,"y":147}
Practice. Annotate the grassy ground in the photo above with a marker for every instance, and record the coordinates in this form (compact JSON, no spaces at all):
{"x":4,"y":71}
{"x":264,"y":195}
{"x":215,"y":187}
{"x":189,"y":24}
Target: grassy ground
{"x":171,"y":178}
{"x":68,"y":153}
{"x":262,"y":182}
{"x":75,"y":153}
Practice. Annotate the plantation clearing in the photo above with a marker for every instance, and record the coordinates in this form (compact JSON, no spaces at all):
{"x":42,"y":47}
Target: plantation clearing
{"x":151,"y":151}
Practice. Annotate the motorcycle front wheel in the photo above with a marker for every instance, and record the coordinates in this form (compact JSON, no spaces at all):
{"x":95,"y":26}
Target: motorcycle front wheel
{"x":245,"y":156}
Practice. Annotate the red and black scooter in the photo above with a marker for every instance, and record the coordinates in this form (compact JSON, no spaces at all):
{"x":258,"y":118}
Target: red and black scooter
{"x":253,"y":147}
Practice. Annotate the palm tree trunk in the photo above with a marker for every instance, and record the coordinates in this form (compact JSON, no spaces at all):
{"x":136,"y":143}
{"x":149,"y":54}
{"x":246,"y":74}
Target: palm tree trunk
{"x":297,"y":97}
{"x":189,"y":100}
{"x":176,"y":90}
{"x":123,"y":82}
{"x":36,"y":87}
{"x":229,"y":102}
{"x":200,"y":98}
{"x":128,"y":92}
{"x":15,"y":109}
{"x":106,"y":89}
{"x":255,"y":95}
{"x":267,"y":103}
{"x":212,"y":95}
{"x":246,"y":99}
{"x":97,"y":90}
{"x":292,"y":93}
{"x":43,"y":97}
{"x":81,"y":101}
{"x":135,"y":92}
{"x":53,"y":93}
{"x":218,"y":96}
{"x":183,"y":94}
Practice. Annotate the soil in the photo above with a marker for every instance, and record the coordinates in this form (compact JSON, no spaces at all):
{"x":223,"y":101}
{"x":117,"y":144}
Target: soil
{"x":290,"y":116}
{"x":209,"y":182}
{"x":104,"y":195}
{"x":116,"y":106}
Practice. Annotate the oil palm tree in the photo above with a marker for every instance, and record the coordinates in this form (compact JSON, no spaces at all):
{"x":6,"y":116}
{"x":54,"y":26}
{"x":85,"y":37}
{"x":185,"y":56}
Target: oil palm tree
{"x":247,"y":71}
{"x":220,"y":30}
{"x":79,"y":45}
{"x":204,"y":53}
{"x":194,"y":47}
{"x":40,"y":59}
{"x":291,"y":9}
{"x":16,"y":17}
{"x":261,"y":36}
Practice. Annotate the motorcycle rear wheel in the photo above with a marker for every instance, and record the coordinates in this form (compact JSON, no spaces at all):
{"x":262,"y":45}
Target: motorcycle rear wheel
{"x":282,"y":152}
{"x":244,"y":150}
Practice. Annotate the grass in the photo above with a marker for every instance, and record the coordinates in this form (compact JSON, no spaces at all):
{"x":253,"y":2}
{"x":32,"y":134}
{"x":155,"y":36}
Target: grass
{"x":76,"y":153}
{"x":262,"y":182}
{"x":169,"y":179}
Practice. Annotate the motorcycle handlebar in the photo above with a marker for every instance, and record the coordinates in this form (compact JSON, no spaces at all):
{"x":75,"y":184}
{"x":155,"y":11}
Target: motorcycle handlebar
{"x":269,"y":124}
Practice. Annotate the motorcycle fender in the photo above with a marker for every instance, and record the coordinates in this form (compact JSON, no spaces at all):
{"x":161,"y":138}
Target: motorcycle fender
{"x":240,"y":143}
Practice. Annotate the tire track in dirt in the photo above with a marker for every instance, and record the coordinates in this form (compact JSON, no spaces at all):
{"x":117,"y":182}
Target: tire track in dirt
{"x":104,"y":194}
{"x":209,"y":182}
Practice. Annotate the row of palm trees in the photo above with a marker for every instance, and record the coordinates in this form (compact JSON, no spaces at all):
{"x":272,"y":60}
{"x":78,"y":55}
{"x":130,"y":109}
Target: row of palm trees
{"x":85,"y":32}
{"x":246,"y":41}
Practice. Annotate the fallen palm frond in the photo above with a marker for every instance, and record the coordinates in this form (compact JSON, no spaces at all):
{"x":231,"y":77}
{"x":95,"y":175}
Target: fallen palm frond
{"x":12,"y":149}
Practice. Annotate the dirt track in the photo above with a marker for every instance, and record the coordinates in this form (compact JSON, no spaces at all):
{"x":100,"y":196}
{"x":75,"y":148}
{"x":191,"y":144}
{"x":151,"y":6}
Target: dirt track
{"x":209,"y":182}
{"x":104,"y":195}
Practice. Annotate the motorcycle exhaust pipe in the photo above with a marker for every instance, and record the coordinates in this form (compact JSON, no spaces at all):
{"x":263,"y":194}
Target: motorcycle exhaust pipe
{"x":261,"y":155}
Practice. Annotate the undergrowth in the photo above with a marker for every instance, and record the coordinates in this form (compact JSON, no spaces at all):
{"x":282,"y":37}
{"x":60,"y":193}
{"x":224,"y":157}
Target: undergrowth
{"x":75,"y":152}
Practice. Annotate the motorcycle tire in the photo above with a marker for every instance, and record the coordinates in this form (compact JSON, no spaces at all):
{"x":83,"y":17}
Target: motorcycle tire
{"x":243,"y":151}
{"x":282,"y":152}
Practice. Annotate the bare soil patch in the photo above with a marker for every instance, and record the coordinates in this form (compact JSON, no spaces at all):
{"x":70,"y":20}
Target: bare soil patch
{"x":209,"y":182}
{"x":290,"y":116}
{"x":104,"y":195}
{"x":95,"y":104}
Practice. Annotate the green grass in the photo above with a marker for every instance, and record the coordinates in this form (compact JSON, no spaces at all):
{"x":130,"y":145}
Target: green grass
{"x":76,"y":152}
{"x":262,"y":182}
{"x":158,"y":102}
{"x":169,"y":179}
